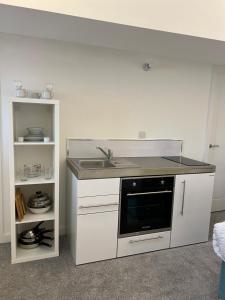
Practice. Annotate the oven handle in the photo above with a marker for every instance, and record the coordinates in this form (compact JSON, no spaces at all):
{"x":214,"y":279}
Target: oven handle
{"x":97,"y":205}
{"x":148,"y":193}
{"x":143,"y":240}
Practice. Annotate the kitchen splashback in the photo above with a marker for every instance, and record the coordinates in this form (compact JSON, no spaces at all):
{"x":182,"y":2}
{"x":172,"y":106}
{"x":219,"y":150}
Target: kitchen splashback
{"x":86,"y":148}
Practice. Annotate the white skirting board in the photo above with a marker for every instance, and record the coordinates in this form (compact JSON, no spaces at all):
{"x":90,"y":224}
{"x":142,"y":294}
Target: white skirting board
{"x":4,"y":238}
{"x":218,"y":205}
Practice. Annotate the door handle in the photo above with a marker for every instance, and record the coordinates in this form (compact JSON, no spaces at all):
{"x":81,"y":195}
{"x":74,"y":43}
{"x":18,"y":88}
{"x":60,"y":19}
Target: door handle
{"x":213,"y":146}
{"x":183,"y":198}
{"x":97,"y":205}
{"x":144,"y":240}
{"x":148,"y":193}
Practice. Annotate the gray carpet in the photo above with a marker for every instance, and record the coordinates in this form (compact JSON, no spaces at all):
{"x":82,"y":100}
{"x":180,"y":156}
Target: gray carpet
{"x":185,"y":273}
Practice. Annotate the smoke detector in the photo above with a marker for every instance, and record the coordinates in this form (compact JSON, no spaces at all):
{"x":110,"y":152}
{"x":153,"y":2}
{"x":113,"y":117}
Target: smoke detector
{"x":147,"y":67}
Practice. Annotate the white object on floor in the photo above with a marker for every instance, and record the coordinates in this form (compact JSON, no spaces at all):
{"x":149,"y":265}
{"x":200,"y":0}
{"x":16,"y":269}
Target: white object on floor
{"x":219,"y":240}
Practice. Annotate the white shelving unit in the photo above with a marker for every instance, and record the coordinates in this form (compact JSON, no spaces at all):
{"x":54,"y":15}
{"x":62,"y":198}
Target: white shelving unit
{"x":32,"y":181}
{"x":24,"y":113}
{"x":33,"y":143}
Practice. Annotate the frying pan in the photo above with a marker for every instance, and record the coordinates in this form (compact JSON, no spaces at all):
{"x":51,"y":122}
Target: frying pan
{"x":34,"y":237}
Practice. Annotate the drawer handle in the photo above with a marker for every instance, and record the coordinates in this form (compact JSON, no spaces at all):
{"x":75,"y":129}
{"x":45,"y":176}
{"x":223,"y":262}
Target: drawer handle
{"x":143,"y":240}
{"x":148,"y":193}
{"x":97,"y":205}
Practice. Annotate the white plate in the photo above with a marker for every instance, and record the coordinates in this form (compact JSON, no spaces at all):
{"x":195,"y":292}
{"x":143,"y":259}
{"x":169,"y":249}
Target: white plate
{"x":33,"y":138}
{"x":35,"y":130}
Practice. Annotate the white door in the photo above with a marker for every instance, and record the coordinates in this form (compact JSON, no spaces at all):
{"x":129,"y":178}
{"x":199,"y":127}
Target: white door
{"x":192,"y":207}
{"x":96,"y":237}
{"x":215,"y":147}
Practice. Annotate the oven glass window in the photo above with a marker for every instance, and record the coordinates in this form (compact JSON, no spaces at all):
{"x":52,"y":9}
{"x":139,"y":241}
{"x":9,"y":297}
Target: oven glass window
{"x":146,"y":210}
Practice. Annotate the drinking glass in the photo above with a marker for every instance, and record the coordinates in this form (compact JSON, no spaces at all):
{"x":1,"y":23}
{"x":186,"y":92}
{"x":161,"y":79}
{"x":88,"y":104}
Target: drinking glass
{"x":48,"y":172}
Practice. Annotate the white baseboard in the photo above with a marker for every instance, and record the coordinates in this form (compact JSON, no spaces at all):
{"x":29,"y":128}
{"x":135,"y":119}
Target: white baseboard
{"x":5,"y":238}
{"x":218,"y":205}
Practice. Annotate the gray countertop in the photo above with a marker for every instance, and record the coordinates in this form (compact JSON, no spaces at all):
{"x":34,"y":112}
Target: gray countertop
{"x":143,"y":166}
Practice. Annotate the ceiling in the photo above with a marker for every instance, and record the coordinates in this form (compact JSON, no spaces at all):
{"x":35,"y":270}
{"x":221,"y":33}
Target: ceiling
{"x":42,"y":24}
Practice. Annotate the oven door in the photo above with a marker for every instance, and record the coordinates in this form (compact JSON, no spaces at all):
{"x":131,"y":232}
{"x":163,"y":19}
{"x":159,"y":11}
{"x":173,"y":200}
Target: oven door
{"x":145,"y":211}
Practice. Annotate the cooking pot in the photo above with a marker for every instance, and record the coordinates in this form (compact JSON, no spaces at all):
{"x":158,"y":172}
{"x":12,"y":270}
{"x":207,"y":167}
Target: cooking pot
{"x":39,"y":200}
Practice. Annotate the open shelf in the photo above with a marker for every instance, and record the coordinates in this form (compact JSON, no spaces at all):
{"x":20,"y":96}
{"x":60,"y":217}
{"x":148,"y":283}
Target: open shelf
{"x":26,"y":113}
{"x":37,"y":180}
{"x":33,"y":114}
{"x":41,"y":252}
{"x":33,"y":143}
{"x":35,"y":101}
{"x":29,"y":217}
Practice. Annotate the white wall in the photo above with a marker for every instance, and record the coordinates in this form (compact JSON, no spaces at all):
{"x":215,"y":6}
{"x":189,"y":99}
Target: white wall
{"x":202,"y":18}
{"x":105,"y":93}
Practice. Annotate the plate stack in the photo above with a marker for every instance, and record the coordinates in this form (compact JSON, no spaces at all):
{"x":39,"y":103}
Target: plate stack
{"x":35,"y":134}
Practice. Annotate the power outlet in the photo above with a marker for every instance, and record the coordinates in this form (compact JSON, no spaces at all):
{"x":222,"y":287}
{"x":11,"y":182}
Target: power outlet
{"x":142,"y":134}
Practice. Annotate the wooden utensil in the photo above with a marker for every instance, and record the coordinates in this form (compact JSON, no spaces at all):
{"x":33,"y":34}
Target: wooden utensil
{"x":20,"y":204}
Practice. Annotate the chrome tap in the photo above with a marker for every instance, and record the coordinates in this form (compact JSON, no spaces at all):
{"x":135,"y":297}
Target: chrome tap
{"x":108,"y":154}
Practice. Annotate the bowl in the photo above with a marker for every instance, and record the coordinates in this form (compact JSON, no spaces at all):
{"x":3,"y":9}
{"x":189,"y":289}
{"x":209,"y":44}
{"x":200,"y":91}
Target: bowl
{"x":39,"y":210}
{"x":39,"y":204}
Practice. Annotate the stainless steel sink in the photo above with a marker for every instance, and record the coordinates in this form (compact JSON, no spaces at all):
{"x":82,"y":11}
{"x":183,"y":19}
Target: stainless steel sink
{"x":95,"y":164}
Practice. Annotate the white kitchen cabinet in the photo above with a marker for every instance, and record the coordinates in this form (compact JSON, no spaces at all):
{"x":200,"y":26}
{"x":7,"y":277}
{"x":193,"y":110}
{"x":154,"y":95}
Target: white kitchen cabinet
{"x":143,"y":243}
{"x":96,"y":237}
{"x":92,"y":218}
{"x":192,"y":208}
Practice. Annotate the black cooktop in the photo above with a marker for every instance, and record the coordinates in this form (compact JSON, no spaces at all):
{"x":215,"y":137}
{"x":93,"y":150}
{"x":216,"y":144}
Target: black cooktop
{"x":185,"y":161}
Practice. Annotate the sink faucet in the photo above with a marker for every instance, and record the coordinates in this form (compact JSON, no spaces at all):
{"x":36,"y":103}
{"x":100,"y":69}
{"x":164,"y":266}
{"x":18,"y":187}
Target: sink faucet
{"x":108,"y":154}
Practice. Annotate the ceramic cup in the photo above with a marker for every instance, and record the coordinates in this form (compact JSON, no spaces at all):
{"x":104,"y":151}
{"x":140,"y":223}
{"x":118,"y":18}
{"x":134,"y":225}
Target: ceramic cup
{"x":20,"y":139}
{"x":21,"y":93}
{"x":46,"y":139}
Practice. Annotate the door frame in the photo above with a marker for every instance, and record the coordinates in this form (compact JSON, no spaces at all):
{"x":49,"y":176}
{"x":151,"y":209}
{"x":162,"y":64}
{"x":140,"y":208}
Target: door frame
{"x":211,"y":127}
{"x":4,"y":234}
{"x":1,"y":185}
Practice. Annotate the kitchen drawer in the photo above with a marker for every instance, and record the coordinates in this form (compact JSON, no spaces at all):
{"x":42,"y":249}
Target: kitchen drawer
{"x":95,"y":187}
{"x":88,"y":205}
{"x":143,"y":243}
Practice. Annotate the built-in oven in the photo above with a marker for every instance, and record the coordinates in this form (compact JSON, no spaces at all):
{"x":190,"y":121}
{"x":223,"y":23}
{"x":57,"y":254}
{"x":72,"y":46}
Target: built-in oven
{"x":146,"y":205}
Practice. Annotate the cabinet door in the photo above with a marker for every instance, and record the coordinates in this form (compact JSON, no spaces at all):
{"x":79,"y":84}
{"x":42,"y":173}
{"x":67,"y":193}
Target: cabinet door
{"x":96,"y":237}
{"x":192,"y":209}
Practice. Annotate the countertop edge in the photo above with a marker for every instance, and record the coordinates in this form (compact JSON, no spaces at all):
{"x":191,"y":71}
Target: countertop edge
{"x":83,"y":174}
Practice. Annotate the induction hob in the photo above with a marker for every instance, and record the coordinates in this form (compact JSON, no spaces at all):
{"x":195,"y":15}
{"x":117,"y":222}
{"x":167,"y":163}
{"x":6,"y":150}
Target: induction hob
{"x":185,"y":161}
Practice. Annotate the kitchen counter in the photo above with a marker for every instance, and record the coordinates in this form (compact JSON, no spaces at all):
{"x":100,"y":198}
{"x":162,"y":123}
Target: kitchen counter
{"x":142,"y":166}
